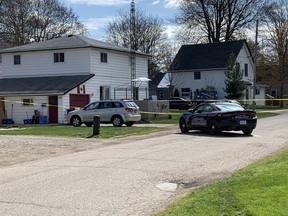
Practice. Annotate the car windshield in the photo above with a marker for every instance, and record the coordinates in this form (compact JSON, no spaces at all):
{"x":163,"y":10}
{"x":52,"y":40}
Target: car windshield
{"x":229,"y":107}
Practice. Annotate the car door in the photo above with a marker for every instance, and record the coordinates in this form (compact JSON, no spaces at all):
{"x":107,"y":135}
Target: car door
{"x":105,"y":111}
{"x":198,"y":119}
{"x":90,"y":111}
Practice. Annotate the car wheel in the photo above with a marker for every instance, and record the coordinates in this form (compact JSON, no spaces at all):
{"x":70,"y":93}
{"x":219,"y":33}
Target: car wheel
{"x":76,"y":121}
{"x":117,"y":121}
{"x":212,"y":128}
{"x":89,"y":124}
{"x":129,"y":124}
{"x":247,"y":131}
{"x":183,"y":126}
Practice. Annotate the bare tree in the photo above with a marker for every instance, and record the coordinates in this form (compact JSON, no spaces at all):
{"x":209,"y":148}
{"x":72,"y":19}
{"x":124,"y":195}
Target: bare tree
{"x":150,"y":38}
{"x":277,"y":28}
{"x":14,"y":16}
{"x":52,"y":19}
{"x":24,"y":20}
{"x":217,"y":20}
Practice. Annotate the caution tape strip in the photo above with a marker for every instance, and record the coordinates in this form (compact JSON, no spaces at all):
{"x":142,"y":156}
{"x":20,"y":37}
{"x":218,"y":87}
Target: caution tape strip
{"x":146,"y":112}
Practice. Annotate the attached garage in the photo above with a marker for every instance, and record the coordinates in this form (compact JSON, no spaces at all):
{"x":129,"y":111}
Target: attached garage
{"x":50,"y":95}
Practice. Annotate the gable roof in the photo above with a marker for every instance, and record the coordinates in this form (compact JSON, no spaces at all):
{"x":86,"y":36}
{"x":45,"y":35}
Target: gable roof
{"x":69,"y":42}
{"x":58,"y":85}
{"x":157,"y":79}
{"x":205,"y":56}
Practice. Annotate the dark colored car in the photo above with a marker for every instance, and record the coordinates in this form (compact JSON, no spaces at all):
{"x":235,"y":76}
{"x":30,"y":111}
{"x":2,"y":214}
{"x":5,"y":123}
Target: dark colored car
{"x":179,"y":103}
{"x":219,"y":116}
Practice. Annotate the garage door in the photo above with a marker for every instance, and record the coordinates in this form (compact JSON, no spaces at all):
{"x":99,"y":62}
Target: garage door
{"x":78,"y":100}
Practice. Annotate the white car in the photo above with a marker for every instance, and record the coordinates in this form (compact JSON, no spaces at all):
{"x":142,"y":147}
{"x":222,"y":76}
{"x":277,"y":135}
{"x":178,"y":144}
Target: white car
{"x":117,"y":112}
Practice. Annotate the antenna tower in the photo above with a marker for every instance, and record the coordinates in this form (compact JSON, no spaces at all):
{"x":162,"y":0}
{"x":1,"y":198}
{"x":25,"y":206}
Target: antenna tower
{"x":133,"y":51}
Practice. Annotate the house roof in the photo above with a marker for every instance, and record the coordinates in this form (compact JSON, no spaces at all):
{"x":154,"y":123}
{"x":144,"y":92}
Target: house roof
{"x":157,"y":79}
{"x":69,"y":42}
{"x":205,"y":56}
{"x":58,"y":85}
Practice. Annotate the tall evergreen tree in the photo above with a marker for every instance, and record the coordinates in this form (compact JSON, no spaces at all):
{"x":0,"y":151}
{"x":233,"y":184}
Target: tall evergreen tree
{"x":235,"y":86}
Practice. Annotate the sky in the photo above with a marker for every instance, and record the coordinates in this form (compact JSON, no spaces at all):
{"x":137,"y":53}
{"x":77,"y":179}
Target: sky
{"x":97,"y":13}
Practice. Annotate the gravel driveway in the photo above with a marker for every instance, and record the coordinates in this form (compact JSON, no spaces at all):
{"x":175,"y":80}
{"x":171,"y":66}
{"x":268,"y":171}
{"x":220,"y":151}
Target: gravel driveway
{"x":135,"y":176}
{"x":19,"y":149}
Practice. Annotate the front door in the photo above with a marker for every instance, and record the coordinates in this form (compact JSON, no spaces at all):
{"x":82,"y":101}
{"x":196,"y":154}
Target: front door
{"x":53,"y":109}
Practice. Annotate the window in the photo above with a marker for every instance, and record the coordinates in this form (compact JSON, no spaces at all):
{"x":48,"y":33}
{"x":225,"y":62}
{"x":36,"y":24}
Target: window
{"x":59,"y":57}
{"x":27,"y":102}
{"x":185,"y":92}
{"x":92,"y":106}
{"x":17,"y":59}
{"x":197,"y":75}
{"x":246,"y":70}
{"x":104,"y":92}
{"x":161,"y":95}
{"x":257,"y":91}
{"x":207,"y":108}
{"x":104,"y":57}
{"x":0,"y":58}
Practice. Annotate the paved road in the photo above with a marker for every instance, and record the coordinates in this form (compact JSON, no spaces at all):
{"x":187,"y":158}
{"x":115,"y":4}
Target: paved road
{"x":137,"y":177}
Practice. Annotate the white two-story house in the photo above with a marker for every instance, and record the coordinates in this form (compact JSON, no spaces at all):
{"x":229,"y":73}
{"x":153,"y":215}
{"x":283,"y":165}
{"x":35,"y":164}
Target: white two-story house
{"x":198,"y":66}
{"x":55,"y":75}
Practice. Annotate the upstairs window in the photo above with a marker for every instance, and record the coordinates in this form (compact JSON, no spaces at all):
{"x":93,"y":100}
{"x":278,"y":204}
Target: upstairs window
{"x":17,"y":59}
{"x":246,"y":70}
{"x":59,"y":57}
{"x":104,"y":57}
{"x":197,"y":75}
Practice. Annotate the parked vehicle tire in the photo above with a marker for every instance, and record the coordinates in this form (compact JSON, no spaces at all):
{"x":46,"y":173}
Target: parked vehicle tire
{"x":247,"y":131}
{"x":76,"y":121}
{"x":183,"y":126}
{"x":88,"y":124}
{"x":129,"y":124}
{"x":212,"y":128}
{"x":117,"y":121}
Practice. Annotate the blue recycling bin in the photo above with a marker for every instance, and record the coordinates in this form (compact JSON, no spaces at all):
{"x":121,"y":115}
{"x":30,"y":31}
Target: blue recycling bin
{"x":42,"y":119}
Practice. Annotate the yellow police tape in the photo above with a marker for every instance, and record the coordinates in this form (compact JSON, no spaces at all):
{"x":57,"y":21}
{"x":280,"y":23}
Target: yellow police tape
{"x":155,"y":113}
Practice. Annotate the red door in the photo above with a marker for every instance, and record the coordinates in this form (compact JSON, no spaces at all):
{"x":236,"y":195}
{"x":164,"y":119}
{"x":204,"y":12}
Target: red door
{"x":53,"y":109}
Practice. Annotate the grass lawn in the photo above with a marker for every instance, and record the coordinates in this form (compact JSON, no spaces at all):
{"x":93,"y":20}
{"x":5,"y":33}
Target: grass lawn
{"x":105,"y":131}
{"x":70,"y":131}
{"x":259,"y":189}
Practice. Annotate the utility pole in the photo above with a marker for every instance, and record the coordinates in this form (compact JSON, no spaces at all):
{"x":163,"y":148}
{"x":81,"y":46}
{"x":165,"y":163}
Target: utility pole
{"x":133,"y":50}
{"x":255,"y":64}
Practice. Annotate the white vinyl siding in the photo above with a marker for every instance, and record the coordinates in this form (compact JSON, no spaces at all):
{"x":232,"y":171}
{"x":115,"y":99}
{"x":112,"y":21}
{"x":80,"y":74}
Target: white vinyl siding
{"x":41,"y":63}
{"x":117,"y":72}
{"x":214,"y":78}
{"x":17,"y":112}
